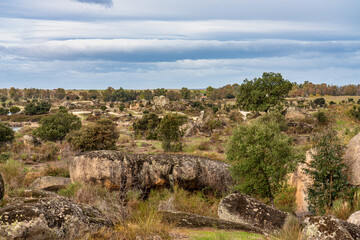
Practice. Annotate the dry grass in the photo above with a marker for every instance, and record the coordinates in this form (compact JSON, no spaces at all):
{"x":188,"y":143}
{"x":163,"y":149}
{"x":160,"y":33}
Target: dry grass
{"x":13,"y":173}
{"x":291,"y":230}
{"x":341,"y":209}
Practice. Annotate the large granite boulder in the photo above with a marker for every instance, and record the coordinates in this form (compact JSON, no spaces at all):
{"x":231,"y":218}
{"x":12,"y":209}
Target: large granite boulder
{"x":352,"y":159}
{"x":50,"y":183}
{"x":325,"y":227}
{"x":2,"y":187}
{"x":241,"y":208}
{"x":161,"y":101}
{"x":117,"y":170}
{"x":49,"y":216}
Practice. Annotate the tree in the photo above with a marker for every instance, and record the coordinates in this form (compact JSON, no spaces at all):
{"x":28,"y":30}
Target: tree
{"x":101,"y":135}
{"x":263,"y":93}
{"x":327,"y":171}
{"x":6,"y":133}
{"x":170,"y":133}
{"x":57,"y":126}
{"x":262,"y":157}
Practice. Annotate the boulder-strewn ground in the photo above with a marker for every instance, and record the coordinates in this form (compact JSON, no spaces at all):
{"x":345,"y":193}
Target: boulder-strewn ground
{"x":118,"y":170}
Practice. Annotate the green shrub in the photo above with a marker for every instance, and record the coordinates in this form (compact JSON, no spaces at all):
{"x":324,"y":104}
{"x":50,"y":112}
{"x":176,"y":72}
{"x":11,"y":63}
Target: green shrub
{"x":355,"y":112}
{"x":147,"y":126}
{"x":14,"y":109}
{"x":4,"y":111}
{"x":35,"y":108}
{"x":13,"y":173}
{"x":321,"y":117}
{"x":6,"y":133}
{"x":101,"y":135}
{"x":319,"y":102}
{"x":57,"y":126}
{"x":71,"y":190}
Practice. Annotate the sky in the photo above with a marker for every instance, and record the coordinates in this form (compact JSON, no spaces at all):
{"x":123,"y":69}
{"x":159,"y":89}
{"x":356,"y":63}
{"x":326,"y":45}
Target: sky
{"x":141,"y":44}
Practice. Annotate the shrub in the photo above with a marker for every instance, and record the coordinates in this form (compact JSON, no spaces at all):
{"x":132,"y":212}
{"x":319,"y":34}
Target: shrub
{"x":321,"y":117}
{"x":13,"y":173}
{"x":147,"y":126}
{"x":6,"y":133}
{"x":101,"y":135}
{"x":34,"y":108}
{"x":14,"y":109}
{"x":4,"y":111}
{"x":70,"y":191}
{"x":355,"y":112}
{"x":319,"y":102}
{"x":55,"y":127}
{"x":103,"y":108}
{"x":341,"y":209}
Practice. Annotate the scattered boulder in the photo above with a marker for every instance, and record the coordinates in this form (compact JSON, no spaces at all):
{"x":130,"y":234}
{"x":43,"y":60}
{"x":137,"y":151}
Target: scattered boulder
{"x":118,"y":170}
{"x":240,"y":208}
{"x":50,"y":183}
{"x":325,"y":227}
{"x":190,"y":220}
{"x":30,"y":140}
{"x":354,"y":218}
{"x":301,"y":181}
{"x":161,"y":101}
{"x":50,"y":217}
{"x":352,"y":159}
{"x":2,"y":187}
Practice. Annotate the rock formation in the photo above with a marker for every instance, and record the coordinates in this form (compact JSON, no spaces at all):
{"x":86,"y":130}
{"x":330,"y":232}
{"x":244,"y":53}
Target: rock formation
{"x":50,"y":183}
{"x":161,"y":101}
{"x":301,"y":181}
{"x":325,"y":227}
{"x":2,"y":187}
{"x":118,"y":170}
{"x":243,"y":209}
{"x":354,"y":218}
{"x":352,"y":158}
{"x":190,"y":220}
{"x":49,"y":217}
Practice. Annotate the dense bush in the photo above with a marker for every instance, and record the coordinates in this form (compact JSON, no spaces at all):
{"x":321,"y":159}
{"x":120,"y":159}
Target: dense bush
{"x":6,"y":133}
{"x":319,"y":102}
{"x":100,"y":135}
{"x":321,"y":117}
{"x":14,"y":109}
{"x":55,"y":127}
{"x":147,"y":126}
{"x":34,"y":108}
{"x":4,"y":111}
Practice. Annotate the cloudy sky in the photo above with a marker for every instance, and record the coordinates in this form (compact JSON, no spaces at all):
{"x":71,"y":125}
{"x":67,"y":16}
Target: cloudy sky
{"x":138,"y":44}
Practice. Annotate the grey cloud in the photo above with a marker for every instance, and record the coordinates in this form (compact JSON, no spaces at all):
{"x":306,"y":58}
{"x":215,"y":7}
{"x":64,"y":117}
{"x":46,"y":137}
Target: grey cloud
{"x":106,"y":3}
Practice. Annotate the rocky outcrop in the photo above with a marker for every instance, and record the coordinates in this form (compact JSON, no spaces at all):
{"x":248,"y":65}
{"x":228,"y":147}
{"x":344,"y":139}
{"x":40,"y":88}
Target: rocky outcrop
{"x":50,"y":217}
{"x":352,"y":159}
{"x":325,"y":227}
{"x":2,"y":187}
{"x":353,"y":229}
{"x":117,"y":170}
{"x":161,"y":101}
{"x":189,"y":220}
{"x":301,"y":181}
{"x":243,"y":209}
{"x":354,"y":218}
{"x":50,"y":183}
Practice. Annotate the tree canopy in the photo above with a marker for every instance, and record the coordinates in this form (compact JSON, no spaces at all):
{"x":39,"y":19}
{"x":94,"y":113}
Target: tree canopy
{"x":263,"y":93}
{"x":262,"y":157}
{"x":6,"y":133}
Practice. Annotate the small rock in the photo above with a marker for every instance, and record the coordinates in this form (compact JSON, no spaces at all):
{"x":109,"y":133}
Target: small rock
{"x":50,"y":183}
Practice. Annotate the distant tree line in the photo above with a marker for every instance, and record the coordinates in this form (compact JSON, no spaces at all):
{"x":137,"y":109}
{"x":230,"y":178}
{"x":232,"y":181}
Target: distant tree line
{"x":308,"y":89}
